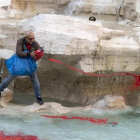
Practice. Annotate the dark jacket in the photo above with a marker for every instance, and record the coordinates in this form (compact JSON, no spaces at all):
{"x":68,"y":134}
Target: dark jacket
{"x":20,"y":47}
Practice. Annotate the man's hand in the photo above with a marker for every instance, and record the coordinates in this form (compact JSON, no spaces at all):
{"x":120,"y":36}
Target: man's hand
{"x":33,"y":55}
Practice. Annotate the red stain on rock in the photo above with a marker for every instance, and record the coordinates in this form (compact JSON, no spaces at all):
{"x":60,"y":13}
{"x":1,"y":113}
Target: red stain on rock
{"x":17,"y":137}
{"x":135,"y":85}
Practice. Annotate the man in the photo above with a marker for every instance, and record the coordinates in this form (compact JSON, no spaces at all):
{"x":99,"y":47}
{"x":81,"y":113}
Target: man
{"x":31,"y":45}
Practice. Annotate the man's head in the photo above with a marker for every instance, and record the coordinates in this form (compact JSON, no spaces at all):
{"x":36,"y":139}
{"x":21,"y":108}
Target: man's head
{"x":29,"y":37}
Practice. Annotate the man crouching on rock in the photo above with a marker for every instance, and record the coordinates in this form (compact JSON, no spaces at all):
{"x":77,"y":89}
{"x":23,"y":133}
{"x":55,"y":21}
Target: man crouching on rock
{"x":31,"y":45}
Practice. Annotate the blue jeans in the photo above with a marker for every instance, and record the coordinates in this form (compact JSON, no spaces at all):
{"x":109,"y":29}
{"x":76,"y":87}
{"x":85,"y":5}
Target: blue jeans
{"x":34,"y":80}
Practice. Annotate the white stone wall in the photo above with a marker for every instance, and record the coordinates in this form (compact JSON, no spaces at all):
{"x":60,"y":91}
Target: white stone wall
{"x":85,"y":45}
{"x":5,"y":3}
{"x":128,"y":7}
{"x":95,"y":6}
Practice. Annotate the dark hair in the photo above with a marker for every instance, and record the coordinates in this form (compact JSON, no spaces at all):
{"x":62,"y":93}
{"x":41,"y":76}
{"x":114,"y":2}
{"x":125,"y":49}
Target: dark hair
{"x":92,"y":18}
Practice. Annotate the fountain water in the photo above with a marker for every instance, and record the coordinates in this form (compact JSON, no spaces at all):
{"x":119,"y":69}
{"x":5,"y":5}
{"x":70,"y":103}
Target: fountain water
{"x":33,"y":123}
{"x":130,"y":8}
{"x":75,"y":6}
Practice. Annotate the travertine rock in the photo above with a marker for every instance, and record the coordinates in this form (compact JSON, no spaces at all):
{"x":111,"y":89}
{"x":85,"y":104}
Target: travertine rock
{"x":7,"y":96}
{"x":114,"y":101}
{"x":108,"y":103}
{"x":85,"y":45}
{"x":129,"y":9}
{"x":11,"y":13}
{"x":56,"y":108}
{"x":39,"y":6}
{"x":5,"y":3}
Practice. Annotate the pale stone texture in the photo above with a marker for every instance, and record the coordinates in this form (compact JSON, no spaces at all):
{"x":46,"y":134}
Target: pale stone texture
{"x":11,"y":13}
{"x":6,"y":54}
{"x":82,"y":44}
{"x":114,"y":102}
{"x":7,"y":96}
{"x":94,"y":6}
{"x":5,"y":3}
{"x":7,"y":12}
{"x":34,"y":7}
{"x":129,"y":9}
{"x":109,"y":103}
{"x":55,"y":108}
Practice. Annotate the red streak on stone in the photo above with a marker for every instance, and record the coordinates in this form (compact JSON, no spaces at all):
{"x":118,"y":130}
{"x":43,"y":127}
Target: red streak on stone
{"x":97,"y":121}
{"x":136,"y":83}
{"x":131,"y":87}
{"x":100,"y":75}
{"x":137,"y":77}
{"x":16,"y":137}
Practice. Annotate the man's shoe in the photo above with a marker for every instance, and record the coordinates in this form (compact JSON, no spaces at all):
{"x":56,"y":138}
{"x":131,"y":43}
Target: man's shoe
{"x":39,"y":100}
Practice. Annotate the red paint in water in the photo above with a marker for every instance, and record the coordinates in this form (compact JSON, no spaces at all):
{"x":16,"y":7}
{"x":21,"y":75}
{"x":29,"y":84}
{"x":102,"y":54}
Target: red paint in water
{"x":16,"y":137}
{"x":96,"y":121}
{"x":115,"y":123}
{"x":133,"y":87}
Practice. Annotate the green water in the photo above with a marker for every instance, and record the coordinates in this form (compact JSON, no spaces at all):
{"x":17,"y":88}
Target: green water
{"x":128,"y":127}
{"x":26,"y":99}
{"x":15,"y":121}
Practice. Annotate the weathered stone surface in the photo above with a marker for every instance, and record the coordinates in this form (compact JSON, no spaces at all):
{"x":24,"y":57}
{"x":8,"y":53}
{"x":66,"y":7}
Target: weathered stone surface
{"x":75,"y":37}
{"x":55,"y":108}
{"x":114,"y":101}
{"x":39,"y":6}
{"x":7,"y":96}
{"x":11,"y":13}
{"x":84,"y":45}
{"x":5,"y":53}
{"x":94,"y":6}
{"x":52,"y":108}
{"x":109,"y":103}
{"x":5,"y":3}
{"x":129,"y":9}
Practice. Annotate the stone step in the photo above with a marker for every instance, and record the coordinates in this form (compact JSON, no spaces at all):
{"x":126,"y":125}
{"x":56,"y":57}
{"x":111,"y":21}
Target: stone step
{"x":3,"y":40}
{"x":3,"y":36}
{"x":5,"y":53}
{"x":9,"y":32}
{"x":6,"y":28}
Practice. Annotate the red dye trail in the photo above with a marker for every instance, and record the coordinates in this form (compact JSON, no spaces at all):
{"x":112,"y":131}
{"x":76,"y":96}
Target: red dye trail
{"x":137,"y":77}
{"x":16,"y":137}
{"x":96,"y":121}
{"x":99,"y":121}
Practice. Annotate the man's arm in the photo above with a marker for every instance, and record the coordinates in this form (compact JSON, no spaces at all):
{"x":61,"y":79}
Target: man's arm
{"x":36,"y":47}
{"x":19,"y":51}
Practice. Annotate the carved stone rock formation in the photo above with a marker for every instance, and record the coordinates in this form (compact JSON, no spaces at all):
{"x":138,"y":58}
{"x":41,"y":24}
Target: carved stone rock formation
{"x":128,"y":9}
{"x":123,"y":9}
{"x":108,"y":103}
{"x":55,"y":108}
{"x":82,"y":44}
{"x":38,"y":6}
{"x":6,"y":96}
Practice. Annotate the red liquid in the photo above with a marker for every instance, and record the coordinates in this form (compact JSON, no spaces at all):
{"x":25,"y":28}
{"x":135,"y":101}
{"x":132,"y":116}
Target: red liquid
{"x":96,"y":121}
{"x":16,"y":137}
